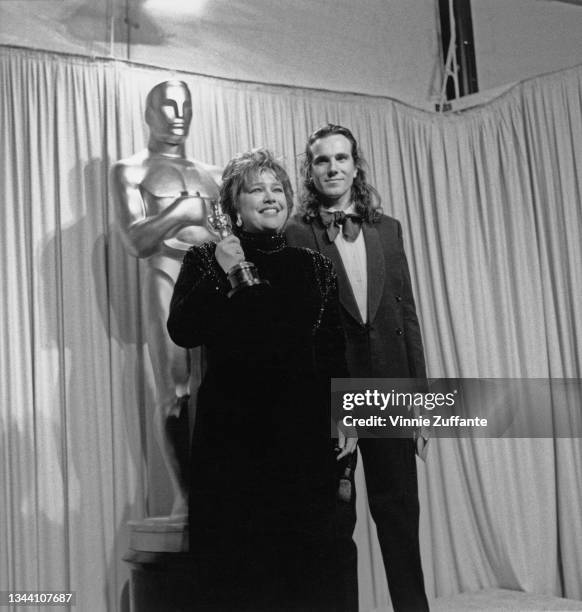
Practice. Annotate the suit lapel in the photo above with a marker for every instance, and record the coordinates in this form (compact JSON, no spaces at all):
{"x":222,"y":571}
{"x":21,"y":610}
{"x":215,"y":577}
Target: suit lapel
{"x":327,"y":248}
{"x":376,"y":268}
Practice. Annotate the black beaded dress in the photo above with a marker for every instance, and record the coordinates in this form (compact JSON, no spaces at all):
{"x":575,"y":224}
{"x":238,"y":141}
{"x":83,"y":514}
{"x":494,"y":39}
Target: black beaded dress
{"x":263,"y":472}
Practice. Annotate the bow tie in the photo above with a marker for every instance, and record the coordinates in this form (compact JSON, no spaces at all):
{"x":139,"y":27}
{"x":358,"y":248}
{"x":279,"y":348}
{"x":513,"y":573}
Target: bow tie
{"x":334,"y":219}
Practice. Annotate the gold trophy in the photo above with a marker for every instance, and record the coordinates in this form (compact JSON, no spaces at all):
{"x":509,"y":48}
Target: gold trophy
{"x":243,"y":274}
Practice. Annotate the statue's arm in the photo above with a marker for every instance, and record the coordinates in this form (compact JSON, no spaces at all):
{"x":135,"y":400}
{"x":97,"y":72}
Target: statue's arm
{"x":144,"y":232}
{"x":214,"y":171}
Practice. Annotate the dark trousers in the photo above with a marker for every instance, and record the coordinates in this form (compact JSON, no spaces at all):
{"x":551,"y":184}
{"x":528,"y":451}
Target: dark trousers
{"x":391,"y":482}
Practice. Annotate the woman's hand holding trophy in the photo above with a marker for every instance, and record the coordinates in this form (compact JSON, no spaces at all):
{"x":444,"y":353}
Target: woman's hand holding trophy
{"x":229,"y":253}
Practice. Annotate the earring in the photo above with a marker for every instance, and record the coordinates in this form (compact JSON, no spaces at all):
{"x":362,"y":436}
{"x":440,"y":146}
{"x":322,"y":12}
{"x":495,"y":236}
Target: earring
{"x":238,"y":221}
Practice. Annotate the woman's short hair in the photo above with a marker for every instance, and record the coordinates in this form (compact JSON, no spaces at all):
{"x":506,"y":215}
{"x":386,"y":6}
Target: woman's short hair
{"x":242,"y":169}
{"x":367,"y":201}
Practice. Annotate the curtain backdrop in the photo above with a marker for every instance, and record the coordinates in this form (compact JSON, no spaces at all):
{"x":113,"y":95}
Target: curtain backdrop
{"x":490,"y":205}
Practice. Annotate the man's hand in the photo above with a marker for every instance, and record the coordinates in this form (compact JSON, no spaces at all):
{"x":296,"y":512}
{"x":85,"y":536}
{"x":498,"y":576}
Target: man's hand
{"x":229,"y":252}
{"x":347,"y":441}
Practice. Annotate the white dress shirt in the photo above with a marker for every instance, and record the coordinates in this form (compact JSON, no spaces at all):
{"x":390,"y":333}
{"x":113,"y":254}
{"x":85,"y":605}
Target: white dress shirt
{"x":353,"y":256}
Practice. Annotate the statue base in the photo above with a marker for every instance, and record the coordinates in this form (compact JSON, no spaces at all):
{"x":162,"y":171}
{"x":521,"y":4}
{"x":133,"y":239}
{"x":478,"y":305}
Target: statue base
{"x":162,"y":575}
{"x":159,"y":534}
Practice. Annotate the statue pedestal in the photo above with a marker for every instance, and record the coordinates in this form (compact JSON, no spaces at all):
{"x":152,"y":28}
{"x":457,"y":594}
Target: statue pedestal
{"x":162,"y":575}
{"x":159,"y":534}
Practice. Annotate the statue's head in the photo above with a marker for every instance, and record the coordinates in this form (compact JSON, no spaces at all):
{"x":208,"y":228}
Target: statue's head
{"x":169,"y":112}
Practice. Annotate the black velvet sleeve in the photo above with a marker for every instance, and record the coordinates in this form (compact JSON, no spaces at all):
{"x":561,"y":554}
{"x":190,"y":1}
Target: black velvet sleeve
{"x":201,"y":313}
{"x":330,"y":343}
{"x":199,"y":304}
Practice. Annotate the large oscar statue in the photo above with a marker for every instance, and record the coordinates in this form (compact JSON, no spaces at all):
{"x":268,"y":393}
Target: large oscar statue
{"x":160,"y":198}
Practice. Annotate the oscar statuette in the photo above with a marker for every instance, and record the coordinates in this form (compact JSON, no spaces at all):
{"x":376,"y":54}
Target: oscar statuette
{"x":243,"y":274}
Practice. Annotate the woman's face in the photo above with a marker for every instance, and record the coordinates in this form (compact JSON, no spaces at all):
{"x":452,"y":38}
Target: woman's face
{"x":262,"y":205}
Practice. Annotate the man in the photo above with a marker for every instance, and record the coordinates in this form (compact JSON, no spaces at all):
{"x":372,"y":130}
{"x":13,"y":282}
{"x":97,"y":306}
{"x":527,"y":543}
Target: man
{"x":341,"y":219}
{"x":159,"y":198}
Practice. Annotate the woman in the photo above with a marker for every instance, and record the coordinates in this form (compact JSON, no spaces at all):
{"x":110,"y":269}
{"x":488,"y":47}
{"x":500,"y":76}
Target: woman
{"x":264,"y":476}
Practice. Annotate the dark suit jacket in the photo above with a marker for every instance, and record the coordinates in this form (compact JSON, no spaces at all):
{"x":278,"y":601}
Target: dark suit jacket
{"x":389,"y":345}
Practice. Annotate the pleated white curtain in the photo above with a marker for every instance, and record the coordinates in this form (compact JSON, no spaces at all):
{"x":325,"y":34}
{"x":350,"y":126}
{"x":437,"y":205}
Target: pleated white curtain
{"x":490,"y":206}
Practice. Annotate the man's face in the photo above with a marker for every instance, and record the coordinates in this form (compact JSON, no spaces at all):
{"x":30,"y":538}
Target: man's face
{"x":170,"y":113}
{"x":333,"y":170}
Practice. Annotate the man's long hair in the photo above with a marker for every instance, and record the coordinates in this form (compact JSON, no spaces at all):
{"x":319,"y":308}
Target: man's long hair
{"x":366,"y":199}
